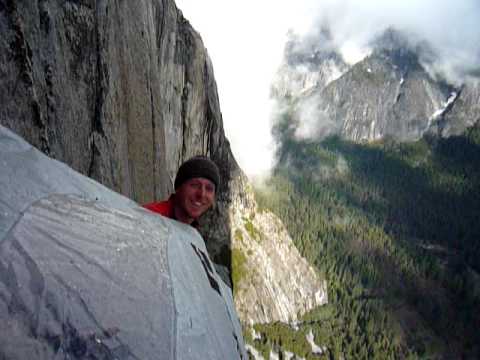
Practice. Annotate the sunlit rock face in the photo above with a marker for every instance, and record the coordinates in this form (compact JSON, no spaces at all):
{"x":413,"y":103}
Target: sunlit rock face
{"x":464,"y":112}
{"x":390,"y":93}
{"x":386,"y":94}
{"x":124,"y":92}
{"x":272,"y":282}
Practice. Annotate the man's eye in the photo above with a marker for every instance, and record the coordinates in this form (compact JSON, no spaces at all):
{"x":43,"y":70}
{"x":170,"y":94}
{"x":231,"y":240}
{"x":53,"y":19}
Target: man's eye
{"x":209,"y":189}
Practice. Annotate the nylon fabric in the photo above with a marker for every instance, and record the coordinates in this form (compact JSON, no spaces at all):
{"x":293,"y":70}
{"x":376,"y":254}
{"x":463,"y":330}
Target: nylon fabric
{"x":86,"y":273}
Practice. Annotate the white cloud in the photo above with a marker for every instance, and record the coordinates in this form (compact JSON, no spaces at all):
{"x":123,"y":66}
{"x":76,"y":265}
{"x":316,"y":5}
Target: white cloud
{"x":451,"y":28}
{"x":313,"y":122}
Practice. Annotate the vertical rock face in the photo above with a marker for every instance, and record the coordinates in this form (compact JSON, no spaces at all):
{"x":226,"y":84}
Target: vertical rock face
{"x":114,"y":89}
{"x":124,"y":92}
{"x":387,"y":94}
{"x":464,"y":112}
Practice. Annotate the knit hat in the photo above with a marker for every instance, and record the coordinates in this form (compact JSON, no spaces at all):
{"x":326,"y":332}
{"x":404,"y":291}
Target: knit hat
{"x":198,"y":166}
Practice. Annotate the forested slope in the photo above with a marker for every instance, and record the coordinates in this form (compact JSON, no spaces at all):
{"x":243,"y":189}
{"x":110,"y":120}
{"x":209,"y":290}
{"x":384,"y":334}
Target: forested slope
{"x":394,"y":227}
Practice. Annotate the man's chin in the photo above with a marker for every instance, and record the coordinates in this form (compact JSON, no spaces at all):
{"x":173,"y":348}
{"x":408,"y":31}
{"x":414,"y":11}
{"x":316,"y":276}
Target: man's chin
{"x":195,"y":214}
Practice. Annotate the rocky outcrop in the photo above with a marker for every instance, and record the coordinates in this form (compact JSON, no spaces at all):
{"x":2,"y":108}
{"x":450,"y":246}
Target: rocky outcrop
{"x":464,"y":112}
{"x":387,"y":94}
{"x":122,"y":92}
{"x":272,"y":282}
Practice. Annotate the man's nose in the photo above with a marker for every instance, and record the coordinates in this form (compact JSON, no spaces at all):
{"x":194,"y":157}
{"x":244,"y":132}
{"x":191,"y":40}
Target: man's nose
{"x":200,"y":192}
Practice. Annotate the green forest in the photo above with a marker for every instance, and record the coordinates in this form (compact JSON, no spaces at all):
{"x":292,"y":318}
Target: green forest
{"x":394,"y":228}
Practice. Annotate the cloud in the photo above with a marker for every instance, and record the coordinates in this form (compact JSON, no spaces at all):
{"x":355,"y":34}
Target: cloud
{"x":450,"y":28}
{"x":313,"y":122}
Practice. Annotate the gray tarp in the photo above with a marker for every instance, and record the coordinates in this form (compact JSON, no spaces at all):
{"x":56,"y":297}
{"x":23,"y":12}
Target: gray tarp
{"x":86,"y":273}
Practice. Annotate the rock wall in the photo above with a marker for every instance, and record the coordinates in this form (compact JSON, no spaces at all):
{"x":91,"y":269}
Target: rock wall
{"x":464,"y":112}
{"x":387,"y":94}
{"x":121,"y":91}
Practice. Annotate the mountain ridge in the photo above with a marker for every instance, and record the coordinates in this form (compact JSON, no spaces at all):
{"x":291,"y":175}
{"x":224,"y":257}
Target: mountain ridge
{"x":389,"y":93}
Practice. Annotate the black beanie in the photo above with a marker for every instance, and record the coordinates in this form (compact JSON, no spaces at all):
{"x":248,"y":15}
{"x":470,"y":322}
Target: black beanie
{"x":198,"y":166}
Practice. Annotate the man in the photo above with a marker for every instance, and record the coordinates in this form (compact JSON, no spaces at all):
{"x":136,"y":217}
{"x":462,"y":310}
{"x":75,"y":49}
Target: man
{"x":195,"y":185}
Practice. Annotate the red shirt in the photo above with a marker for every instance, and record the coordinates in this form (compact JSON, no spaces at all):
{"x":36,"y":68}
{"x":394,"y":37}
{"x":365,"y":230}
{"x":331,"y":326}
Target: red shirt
{"x":165,"y":208}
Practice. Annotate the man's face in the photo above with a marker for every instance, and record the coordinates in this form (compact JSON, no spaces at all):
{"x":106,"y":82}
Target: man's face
{"x":193,"y":198}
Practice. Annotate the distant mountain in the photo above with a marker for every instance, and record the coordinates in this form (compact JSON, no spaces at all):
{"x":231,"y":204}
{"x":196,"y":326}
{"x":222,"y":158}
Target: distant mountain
{"x":390,"y":93}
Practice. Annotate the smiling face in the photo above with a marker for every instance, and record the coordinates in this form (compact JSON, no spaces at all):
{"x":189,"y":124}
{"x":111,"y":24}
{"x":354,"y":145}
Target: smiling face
{"x":193,"y":198}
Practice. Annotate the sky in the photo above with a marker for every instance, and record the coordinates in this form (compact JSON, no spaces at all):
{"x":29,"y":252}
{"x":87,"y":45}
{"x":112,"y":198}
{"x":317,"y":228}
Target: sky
{"x":245,"y":40}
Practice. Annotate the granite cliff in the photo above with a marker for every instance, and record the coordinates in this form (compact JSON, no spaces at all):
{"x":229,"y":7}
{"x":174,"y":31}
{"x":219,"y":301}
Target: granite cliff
{"x":124,"y":92}
{"x":267,"y":266}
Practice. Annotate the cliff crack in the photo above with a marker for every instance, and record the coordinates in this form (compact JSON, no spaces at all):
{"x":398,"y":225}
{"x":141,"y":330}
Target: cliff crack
{"x":100,"y":82}
{"x":23,"y":56}
{"x":161,"y":25}
{"x":100,"y":85}
{"x":209,"y":114}
{"x":185,"y":51}
{"x":184,"y":101}
{"x":154,"y":142}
